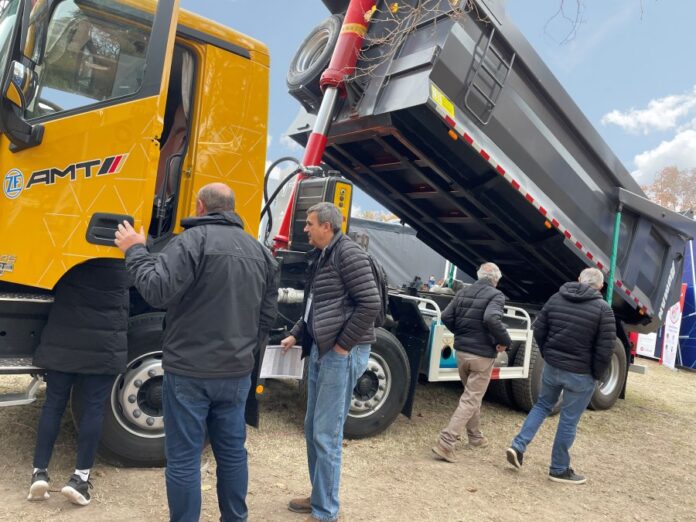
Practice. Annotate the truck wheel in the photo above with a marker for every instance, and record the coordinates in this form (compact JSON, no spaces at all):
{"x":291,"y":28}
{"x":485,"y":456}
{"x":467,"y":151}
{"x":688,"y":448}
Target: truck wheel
{"x":610,"y":386}
{"x":312,"y":59}
{"x":500,"y":391}
{"x":525,"y":392}
{"x":133,"y":430}
{"x":381,"y":391}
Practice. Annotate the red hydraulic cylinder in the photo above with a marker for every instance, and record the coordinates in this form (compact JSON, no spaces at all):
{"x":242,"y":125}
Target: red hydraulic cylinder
{"x":343,"y":60}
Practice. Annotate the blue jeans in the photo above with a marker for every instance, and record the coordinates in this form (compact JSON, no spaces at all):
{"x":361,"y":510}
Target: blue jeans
{"x":331,"y":380}
{"x":192,"y":406}
{"x":577,"y":391}
{"x":93,"y":390}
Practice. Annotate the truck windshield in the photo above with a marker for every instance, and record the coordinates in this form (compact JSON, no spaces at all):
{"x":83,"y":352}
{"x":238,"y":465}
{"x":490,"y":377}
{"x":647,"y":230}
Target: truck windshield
{"x":8,"y":14}
{"x":86,"y":52}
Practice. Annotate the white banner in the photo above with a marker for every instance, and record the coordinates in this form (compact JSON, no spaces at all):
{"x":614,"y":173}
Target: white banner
{"x":646,"y":345}
{"x":672,"y":325}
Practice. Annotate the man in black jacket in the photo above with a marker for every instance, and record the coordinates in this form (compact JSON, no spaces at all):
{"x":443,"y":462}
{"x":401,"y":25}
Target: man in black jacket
{"x":474,"y":316}
{"x":219,"y":287}
{"x":336,"y":331}
{"x":575,"y":332}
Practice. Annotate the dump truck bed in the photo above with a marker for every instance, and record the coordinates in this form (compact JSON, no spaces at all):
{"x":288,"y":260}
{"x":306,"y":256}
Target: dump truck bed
{"x":460,"y":129}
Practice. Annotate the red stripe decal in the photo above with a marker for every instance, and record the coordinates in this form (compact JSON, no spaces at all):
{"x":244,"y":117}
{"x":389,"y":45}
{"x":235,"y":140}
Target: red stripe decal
{"x":450,"y":121}
{"x":567,"y":234}
{"x":495,"y":374}
{"x":529,"y":198}
{"x":589,"y":256}
{"x":484,"y":154}
{"x":116,"y":163}
{"x":578,"y":244}
{"x":468,"y":139}
{"x":555,"y":223}
{"x":542,"y":210}
{"x":619,"y":284}
{"x":600,"y":265}
{"x":628,"y":292}
{"x":515,"y":185}
{"x":500,"y":170}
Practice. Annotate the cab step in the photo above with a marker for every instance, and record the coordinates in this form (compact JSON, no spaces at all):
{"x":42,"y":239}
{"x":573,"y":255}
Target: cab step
{"x":22,"y":398}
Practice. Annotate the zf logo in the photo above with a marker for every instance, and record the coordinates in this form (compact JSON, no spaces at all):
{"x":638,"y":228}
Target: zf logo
{"x":13,"y":184}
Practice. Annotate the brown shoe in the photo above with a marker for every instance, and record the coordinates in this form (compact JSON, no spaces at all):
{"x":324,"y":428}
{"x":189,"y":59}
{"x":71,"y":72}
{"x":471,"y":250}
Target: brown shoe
{"x":300,"y":505}
{"x":442,"y":453}
{"x":478,"y":443}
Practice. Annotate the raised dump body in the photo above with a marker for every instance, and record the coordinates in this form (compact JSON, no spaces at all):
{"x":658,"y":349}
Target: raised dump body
{"x":455,"y":124}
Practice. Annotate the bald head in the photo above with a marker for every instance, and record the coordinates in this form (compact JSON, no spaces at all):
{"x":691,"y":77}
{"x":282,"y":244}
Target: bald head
{"x":215,"y":197}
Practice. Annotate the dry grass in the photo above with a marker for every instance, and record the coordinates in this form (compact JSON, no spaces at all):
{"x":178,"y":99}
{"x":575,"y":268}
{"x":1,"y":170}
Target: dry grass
{"x":639,"y":459}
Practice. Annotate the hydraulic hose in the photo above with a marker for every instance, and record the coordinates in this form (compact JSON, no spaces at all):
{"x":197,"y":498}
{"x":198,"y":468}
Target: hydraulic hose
{"x":269,"y":200}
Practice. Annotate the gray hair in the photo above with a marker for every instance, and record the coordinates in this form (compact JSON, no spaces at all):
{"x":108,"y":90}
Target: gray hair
{"x":592,"y":277}
{"x":327,"y":213}
{"x":490,"y":272}
{"x":217,"y":197}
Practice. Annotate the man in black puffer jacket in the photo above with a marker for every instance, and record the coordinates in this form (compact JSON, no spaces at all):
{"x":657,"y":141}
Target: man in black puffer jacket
{"x":474,"y":316}
{"x":575,"y":332}
{"x":336,"y":331}
{"x":219,"y":287}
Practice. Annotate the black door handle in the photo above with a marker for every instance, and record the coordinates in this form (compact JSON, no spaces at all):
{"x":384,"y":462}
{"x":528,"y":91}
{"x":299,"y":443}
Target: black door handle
{"x":102,"y":227}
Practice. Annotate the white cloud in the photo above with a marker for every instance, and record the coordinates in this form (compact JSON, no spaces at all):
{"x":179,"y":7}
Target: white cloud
{"x":661,"y":114}
{"x":290,"y":144}
{"x":269,"y":140}
{"x":679,"y":151}
{"x":355,"y":211}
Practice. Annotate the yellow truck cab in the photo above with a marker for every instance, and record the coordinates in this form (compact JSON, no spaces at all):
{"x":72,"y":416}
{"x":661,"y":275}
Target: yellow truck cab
{"x":111,"y":111}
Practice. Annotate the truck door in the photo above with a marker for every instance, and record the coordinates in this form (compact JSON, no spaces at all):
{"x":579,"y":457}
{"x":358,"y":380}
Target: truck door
{"x":81,"y":114}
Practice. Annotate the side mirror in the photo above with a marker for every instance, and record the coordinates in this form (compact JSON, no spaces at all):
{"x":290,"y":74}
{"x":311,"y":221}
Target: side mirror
{"x":21,"y":85}
{"x":18,"y":90}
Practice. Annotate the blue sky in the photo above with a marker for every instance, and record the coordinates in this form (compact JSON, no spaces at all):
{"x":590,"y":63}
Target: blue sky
{"x":629,"y":66}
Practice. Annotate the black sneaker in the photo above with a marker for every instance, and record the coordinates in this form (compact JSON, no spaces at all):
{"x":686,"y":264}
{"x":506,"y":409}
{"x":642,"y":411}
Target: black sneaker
{"x":39,"y":486}
{"x":514,"y":457}
{"x":77,"y":490}
{"x":568,"y":477}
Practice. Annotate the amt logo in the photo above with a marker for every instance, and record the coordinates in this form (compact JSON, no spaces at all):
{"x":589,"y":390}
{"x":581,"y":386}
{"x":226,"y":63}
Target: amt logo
{"x":13,"y":184}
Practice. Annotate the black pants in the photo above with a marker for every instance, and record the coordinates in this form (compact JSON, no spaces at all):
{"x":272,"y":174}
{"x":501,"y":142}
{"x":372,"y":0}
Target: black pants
{"x":93,"y":390}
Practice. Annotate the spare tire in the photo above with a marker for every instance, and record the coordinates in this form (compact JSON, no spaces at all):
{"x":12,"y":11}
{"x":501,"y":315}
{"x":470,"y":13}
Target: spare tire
{"x":311,"y":60}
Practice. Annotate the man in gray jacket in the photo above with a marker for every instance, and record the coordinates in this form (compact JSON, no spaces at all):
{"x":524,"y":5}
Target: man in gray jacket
{"x":474,"y":316}
{"x":336,"y":330}
{"x":219,"y":287}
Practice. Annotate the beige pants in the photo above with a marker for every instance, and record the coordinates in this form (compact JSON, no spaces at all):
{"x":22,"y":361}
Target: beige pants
{"x":475,"y":372}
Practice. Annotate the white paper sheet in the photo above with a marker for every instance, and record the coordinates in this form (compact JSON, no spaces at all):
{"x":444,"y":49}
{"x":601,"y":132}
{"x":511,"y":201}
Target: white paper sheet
{"x":275,"y":365}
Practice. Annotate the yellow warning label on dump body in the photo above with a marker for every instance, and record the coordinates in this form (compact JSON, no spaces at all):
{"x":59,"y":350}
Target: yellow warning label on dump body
{"x":441,"y":100}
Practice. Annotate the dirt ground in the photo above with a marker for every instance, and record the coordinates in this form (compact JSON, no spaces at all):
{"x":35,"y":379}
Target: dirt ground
{"x":639,"y":457}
